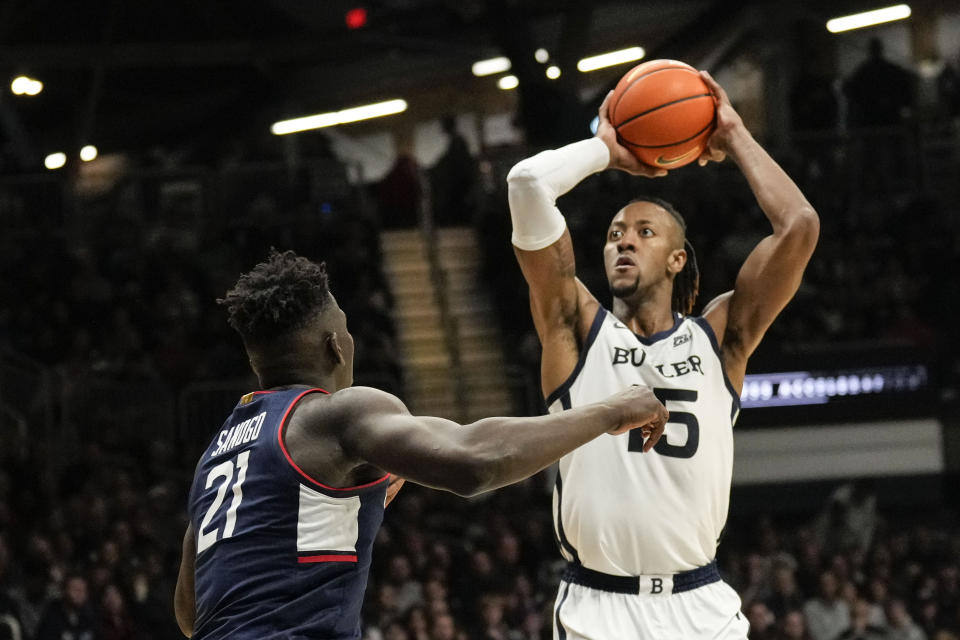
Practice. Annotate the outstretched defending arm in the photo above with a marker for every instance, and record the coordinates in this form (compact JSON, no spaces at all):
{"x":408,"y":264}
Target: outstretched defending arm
{"x":771,"y":274}
{"x":375,"y":427}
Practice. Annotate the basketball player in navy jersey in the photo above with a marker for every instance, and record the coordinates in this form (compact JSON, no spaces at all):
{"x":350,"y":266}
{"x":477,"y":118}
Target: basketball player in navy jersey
{"x":287,"y":498}
{"x":639,"y":529}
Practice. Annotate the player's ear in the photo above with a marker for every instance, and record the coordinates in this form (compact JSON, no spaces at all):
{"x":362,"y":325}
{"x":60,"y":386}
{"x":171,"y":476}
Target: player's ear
{"x":333,"y":350}
{"x":676,"y":261}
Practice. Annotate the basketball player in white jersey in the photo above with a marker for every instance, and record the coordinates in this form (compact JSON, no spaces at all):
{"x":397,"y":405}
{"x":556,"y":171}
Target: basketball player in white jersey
{"x":640,"y":530}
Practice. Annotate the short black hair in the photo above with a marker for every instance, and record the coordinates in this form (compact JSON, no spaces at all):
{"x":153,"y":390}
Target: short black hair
{"x":686,"y":284}
{"x":666,"y":206}
{"x":277,"y":297}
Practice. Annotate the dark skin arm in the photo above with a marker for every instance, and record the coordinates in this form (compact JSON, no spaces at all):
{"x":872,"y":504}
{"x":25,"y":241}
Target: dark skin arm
{"x":771,"y":274}
{"x":373,"y":428}
{"x":184,"y":599}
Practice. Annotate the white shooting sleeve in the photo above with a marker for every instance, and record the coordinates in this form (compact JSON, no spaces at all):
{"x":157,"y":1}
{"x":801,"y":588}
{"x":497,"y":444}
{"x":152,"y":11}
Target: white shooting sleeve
{"x":537,"y":182}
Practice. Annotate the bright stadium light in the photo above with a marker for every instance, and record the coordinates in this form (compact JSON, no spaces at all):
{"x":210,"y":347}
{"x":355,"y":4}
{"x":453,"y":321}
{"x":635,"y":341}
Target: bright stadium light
{"x":868,"y":18}
{"x":88,"y":153}
{"x":333,"y":118}
{"x":541,"y":55}
{"x":508,"y":82}
{"x":610,"y":59}
{"x":25,"y":86}
{"x":553,"y":72}
{"x":55,"y":160}
{"x":491,"y":66}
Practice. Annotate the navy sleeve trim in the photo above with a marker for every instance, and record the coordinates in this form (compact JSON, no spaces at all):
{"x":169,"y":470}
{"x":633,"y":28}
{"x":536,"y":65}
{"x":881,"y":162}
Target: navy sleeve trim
{"x":707,"y":329}
{"x":591,"y":337}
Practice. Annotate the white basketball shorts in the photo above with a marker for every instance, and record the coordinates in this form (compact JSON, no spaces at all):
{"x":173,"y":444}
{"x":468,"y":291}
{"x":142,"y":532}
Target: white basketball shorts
{"x":595,"y":606}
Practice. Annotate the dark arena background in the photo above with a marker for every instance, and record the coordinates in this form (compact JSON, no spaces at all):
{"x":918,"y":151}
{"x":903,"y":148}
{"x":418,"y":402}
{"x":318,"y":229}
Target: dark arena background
{"x":145,"y":163}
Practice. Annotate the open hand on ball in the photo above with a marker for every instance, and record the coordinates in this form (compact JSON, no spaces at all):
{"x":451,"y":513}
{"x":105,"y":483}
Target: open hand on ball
{"x":620,"y":156}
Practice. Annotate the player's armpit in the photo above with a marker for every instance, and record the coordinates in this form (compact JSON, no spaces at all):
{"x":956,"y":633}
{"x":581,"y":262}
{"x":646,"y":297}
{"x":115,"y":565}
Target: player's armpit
{"x":561,"y":338}
{"x":184,"y":601}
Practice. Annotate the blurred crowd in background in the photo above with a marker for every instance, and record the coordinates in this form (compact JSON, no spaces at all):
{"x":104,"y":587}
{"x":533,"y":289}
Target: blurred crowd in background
{"x":119,"y":286}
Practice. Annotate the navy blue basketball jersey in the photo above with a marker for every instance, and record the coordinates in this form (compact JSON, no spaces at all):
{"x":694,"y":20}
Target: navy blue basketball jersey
{"x":279,"y":555}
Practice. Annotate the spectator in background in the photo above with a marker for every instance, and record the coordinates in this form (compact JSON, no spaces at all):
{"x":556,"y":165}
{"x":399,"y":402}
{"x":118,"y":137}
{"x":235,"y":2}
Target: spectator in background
{"x":848,"y":520}
{"x":395,"y":631}
{"x":793,"y":627}
{"x":400,"y":193}
{"x":454,"y":178}
{"x":444,"y":628}
{"x":417,"y":625}
{"x":879,"y":92}
{"x":757,"y":580}
{"x":762,"y":621}
{"x":900,"y":625}
{"x":69,"y":616}
{"x":860,"y":626}
{"x":948,"y":89}
{"x":115,"y":621}
{"x":785,"y":595}
{"x":827,"y":614}
{"x":408,"y":592}
{"x":491,"y":619}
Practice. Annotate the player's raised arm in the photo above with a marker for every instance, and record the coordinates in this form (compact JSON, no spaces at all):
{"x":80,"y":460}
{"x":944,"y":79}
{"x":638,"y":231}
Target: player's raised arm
{"x":375,"y":427}
{"x":771,"y":274}
{"x":561,"y":306}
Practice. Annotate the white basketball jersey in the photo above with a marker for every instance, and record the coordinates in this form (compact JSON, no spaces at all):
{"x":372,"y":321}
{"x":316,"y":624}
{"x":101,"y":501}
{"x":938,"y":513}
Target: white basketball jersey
{"x":624,"y":512}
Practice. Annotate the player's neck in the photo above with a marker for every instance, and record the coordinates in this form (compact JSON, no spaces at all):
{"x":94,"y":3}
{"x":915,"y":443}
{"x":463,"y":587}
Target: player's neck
{"x":299,"y":377}
{"x":647,"y":315}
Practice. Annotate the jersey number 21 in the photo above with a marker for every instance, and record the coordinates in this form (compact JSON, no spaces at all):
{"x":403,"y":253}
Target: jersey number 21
{"x":223,"y":470}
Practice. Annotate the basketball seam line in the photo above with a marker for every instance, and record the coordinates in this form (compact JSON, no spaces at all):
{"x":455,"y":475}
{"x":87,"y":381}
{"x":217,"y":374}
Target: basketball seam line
{"x":613,"y":109}
{"x":665,"y":104}
{"x":664,"y":146}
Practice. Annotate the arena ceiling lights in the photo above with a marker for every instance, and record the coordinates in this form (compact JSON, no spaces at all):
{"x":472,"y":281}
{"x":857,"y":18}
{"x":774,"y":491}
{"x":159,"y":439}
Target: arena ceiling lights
{"x":25,"y":86}
{"x":344,"y":116}
{"x":55,"y":161}
{"x":868,"y":18}
{"x":491,"y":66}
{"x":610,"y":59}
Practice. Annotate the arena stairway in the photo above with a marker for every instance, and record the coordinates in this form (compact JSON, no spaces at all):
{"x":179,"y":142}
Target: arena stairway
{"x":446,"y":326}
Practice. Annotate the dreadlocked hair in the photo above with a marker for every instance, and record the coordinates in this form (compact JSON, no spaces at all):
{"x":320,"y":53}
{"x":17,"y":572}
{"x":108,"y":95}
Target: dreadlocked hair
{"x":686,"y":284}
{"x":276,"y":297}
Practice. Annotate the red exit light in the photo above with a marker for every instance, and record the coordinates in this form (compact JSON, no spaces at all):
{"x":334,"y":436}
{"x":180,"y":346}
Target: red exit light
{"x":356,"y":18}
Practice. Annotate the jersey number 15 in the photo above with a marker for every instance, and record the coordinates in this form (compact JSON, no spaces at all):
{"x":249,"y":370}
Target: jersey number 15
{"x":663,"y":447}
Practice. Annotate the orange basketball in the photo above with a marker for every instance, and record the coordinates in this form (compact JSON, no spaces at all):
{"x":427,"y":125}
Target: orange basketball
{"x":663,"y":112}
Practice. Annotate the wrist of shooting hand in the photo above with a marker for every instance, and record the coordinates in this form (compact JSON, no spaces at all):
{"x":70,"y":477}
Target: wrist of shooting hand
{"x":737,"y":140}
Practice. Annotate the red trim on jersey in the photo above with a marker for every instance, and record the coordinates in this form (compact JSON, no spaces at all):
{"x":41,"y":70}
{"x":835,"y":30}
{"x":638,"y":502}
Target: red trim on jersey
{"x":306,"y":559}
{"x":256,"y":393}
{"x":283,"y":447}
